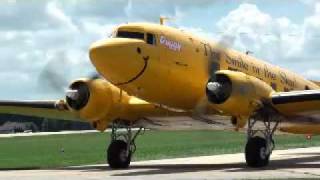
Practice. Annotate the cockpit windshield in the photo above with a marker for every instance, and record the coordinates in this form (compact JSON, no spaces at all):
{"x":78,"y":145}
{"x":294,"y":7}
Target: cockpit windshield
{"x":150,"y":38}
{"x":132,"y":35}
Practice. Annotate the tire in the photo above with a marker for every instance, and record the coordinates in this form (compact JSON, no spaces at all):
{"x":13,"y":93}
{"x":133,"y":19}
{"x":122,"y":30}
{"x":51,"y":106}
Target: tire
{"x":117,"y":155}
{"x":255,"y":152}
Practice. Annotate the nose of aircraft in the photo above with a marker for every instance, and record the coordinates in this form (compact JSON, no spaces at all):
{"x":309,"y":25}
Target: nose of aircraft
{"x":118,"y":59}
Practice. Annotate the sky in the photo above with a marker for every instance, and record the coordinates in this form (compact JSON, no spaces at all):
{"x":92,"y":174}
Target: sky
{"x":44,"y":44}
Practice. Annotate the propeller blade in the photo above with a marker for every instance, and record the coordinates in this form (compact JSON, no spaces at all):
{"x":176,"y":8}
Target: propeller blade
{"x":56,"y":76}
{"x":53,"y":77}
{"x":218,"y":51}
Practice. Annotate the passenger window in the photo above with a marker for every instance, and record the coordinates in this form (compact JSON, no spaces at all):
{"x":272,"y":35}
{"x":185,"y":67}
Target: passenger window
{"x":132,"y":35}
{"x":151,"y":39}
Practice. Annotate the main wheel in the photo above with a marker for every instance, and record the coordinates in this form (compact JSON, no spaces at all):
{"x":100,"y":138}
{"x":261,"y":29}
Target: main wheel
{"x":256,"y":152}
{"x":118,"y":158}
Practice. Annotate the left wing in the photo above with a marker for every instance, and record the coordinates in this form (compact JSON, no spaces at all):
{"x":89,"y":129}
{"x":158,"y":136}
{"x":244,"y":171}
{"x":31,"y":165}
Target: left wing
{"x":142,"y":113}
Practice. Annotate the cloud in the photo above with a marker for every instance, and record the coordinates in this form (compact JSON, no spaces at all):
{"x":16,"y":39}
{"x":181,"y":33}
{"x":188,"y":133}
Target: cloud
{"x":57,"y":16}
{"x":311,"y":29}
{"x":41,"y":34}
{"x":257,"y":31}
{"x":22,"y":15}
{"x":278,"y":40}
{"x":51,"y":35}
{"x":38,"y":37}
{"x":9,"y":80}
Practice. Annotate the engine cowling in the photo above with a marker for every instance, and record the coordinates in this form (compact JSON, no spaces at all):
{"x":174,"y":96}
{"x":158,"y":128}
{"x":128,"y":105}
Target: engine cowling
{"x":93,"y":100}
{"x":237,"y":94}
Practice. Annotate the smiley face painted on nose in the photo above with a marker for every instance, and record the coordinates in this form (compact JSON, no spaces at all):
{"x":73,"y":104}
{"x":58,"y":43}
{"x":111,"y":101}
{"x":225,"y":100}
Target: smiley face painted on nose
{"x":139,"y":51}
{"x":121,"y":61}
{"x":145,"y":59}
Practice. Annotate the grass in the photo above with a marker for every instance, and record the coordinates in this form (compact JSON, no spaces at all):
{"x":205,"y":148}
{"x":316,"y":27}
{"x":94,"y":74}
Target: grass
{"x":77,"y":149}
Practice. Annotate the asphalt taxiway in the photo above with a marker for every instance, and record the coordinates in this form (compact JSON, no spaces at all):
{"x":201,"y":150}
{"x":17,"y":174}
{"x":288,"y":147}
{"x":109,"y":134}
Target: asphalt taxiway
{"x":285,"y":164}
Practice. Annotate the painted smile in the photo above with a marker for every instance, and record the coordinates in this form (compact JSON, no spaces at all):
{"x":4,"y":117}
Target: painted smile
{"x":145,"y":59}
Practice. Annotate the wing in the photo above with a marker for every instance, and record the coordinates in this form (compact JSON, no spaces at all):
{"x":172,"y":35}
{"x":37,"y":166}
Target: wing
{"x":55,"y":109}
{"x":301,"y":109}
{"x":298,"y":103}
{"x":148,"y":115}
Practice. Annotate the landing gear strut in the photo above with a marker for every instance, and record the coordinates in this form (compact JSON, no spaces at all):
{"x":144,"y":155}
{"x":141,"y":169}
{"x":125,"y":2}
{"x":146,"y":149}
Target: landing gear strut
{"x":260,"y":143}
{"x":122,"y":145}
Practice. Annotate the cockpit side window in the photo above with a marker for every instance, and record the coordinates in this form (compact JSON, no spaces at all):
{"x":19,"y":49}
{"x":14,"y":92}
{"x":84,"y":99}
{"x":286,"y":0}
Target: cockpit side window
{"x":132,"y":35}
{"x":151,"y":39}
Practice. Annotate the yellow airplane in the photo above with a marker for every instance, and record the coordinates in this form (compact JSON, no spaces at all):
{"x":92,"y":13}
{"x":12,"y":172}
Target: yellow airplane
{"x":158,"y":71}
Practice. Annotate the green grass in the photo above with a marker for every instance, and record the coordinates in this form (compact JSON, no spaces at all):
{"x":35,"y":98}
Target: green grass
{"x":76,"y":149}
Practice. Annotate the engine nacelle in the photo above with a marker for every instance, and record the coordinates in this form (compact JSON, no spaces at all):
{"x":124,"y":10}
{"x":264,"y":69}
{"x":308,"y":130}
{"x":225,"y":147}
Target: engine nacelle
{"x":94,"y":101}
{"x":237,"y":94}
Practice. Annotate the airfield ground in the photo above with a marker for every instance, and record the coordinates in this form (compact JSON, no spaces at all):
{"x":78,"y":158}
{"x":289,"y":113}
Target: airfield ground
{"x":55,"y":151}
{"x":303,"y":163}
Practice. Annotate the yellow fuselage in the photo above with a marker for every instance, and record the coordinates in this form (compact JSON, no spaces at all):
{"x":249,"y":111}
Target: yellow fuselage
{"x":173,"y":71}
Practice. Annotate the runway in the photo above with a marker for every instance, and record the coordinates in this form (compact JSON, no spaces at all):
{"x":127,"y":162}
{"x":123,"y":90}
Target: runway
{"x":46,"y":133}
{"x":285,"y":164}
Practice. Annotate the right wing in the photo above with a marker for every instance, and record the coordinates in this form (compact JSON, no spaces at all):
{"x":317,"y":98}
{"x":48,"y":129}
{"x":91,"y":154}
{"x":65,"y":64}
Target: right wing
{"x":54,"y":109}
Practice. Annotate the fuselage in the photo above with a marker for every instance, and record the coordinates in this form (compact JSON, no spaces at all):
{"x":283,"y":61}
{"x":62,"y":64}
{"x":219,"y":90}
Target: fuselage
{"x":171,"y":67}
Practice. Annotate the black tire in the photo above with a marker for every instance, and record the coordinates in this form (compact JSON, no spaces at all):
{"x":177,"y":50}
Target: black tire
{"x":117,"y":155}
{"x":255,"y":152}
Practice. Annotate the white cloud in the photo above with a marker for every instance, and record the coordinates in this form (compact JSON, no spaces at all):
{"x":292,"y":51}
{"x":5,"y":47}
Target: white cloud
{"x":311,"y":73}
{"x":39,"y":36}
{"x":278,"y":40}
{"x":58,"y":17}
{"x":251,"y":29}
{"x":50,"y":41}
{"x":311,"y":29}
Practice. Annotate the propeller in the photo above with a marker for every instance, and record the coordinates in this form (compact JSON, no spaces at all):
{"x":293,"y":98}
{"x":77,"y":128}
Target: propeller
{"x":56,"y":76}
{"x":53,"y":77}
{"x":77,"y":95}
{"x":219,"y":88}
{"x":217,"y":51}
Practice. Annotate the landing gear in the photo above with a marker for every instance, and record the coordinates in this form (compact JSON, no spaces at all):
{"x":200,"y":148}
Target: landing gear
{"x":256,"y":155}
{"x":260,"y":143}
{"x":122,"y":145}
{"x":118,"y":155}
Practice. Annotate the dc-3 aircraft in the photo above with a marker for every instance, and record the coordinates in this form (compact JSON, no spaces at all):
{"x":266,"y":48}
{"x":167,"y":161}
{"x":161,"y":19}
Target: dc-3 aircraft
{"x":152,"y":70}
